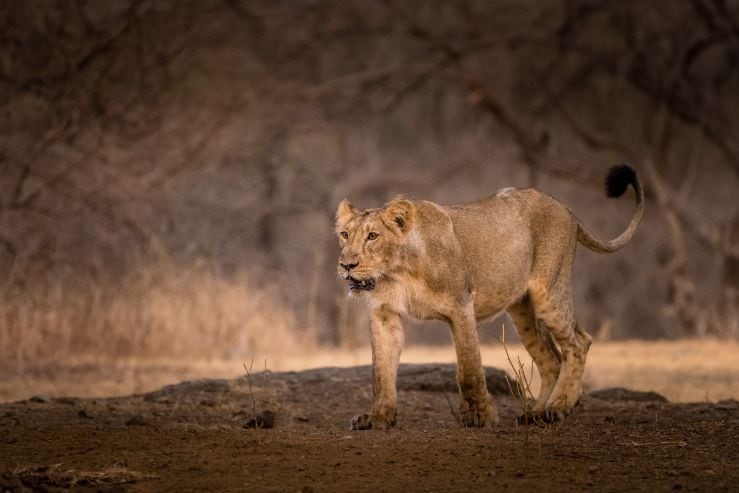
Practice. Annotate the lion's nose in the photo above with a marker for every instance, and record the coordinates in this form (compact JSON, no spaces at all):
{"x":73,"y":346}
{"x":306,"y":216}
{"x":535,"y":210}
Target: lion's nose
{"x":349,"y":267}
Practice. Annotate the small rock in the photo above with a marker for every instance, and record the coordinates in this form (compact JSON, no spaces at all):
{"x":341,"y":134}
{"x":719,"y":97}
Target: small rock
{"x":84,"y":414}
{"x":42,"y":399}
{"x":136,"y":420}
{"x":264,"y":419}
{"x":303,"y":419}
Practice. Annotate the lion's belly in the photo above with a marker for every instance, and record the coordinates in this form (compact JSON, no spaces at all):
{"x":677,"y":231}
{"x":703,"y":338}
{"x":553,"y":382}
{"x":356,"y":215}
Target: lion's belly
{"x":490,"y":306}
{"x":496,"y":289}
{"x":502,"y":276}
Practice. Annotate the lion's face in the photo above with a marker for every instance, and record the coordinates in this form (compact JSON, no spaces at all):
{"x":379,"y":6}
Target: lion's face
{"x":371,"y":242}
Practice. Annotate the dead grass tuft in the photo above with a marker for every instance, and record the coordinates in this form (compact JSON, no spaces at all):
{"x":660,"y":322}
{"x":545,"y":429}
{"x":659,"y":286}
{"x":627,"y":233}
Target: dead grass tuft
{"x":521,"y":386}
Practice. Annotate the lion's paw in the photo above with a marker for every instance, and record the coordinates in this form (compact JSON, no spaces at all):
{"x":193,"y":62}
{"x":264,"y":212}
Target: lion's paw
{"x":479,"y":418}
{"x":545,"y":417}
{"x":553,"y":415}
{"x":360,"y":422}
{"x":370,"y":421}
{"x":556,"y":410}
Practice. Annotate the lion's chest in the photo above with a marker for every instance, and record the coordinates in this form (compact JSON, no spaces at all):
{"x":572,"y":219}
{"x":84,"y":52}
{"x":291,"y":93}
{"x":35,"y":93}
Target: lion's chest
{"x":412,"y":296}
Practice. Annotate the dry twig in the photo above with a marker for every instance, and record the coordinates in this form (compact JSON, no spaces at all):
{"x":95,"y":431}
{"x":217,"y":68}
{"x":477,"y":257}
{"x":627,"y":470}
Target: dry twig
{"x":251,"y":391}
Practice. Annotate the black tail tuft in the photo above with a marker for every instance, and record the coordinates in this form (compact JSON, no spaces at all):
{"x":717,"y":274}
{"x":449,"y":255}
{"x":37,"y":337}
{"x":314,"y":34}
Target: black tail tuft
{"x":618,"y":179}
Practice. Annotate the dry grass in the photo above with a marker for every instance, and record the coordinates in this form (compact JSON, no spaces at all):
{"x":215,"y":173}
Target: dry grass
{"x":520,"y":385}
{"x":683,"y":371}
{"x":160,"y":311}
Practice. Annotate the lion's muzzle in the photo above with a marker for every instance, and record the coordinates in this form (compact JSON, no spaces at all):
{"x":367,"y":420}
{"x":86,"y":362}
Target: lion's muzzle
{"x":361,"y":284}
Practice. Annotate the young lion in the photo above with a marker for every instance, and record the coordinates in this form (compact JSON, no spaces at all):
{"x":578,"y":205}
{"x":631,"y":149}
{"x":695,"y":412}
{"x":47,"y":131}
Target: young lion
{"x":464,"y":263}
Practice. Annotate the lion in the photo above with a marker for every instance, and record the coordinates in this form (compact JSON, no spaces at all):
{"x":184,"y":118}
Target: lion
{"x":461,"y":264}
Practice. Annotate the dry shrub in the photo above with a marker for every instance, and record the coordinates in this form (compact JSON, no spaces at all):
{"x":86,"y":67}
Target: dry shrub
{"x":521,"y":386}
{"x":161,"y":311}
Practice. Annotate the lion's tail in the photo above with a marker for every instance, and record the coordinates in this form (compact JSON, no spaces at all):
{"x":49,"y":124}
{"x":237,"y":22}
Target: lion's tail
{"x":618,"y":179}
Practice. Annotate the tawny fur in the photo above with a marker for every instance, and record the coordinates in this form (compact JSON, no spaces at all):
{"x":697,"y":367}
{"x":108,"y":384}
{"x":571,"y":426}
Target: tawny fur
{"x":461,"y":264}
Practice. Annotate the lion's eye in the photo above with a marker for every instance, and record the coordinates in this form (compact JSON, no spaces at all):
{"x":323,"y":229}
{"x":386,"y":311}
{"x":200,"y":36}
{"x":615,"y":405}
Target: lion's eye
{"x":345,"y":235}
{"x":372,"y":236}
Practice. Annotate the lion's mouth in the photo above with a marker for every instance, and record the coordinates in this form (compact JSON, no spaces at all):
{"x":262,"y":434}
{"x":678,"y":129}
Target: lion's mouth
{"x":361,"y":285}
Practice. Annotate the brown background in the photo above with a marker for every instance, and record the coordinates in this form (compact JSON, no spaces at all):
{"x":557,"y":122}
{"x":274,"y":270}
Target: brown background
{"x":170,"y":169}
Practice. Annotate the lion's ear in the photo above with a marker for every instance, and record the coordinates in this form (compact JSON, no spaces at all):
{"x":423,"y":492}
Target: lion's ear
{"x":345,"y":212}
{"x":400,"y":213}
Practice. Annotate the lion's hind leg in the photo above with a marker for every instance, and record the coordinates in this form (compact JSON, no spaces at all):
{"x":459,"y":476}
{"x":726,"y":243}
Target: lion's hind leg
{"x":553,"y":305}
{"x":546,"y":358}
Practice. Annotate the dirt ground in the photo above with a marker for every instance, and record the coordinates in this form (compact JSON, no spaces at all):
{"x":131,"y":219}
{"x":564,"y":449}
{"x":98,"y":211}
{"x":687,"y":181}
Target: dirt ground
{"x":190,"y":437}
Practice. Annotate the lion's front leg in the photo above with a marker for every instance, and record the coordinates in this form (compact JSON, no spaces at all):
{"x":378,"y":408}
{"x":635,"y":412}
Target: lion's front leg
{"x":475,"y":405}
{"x":387,"y":341}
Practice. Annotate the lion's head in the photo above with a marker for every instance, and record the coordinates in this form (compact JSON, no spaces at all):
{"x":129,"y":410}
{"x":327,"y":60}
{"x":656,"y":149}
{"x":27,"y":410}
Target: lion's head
{"x":372,"y":241}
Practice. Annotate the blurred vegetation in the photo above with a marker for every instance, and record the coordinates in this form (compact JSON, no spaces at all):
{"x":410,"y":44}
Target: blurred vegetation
{"x":182,"y":160}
